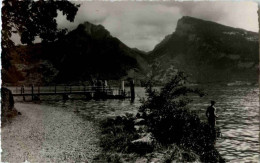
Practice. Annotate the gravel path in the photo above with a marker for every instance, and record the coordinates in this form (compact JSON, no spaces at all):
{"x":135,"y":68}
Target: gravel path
{"x":48,"y":134}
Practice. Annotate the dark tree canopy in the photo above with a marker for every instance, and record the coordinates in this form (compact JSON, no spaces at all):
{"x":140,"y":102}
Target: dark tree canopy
{"x":29,"y":19}
{"x":34,"y":18}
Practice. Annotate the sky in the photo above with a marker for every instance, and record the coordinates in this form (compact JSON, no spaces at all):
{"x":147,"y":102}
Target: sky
{"x":142,"y":25}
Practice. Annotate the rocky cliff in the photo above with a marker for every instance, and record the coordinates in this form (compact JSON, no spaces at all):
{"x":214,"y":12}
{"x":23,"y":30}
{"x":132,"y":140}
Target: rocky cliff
{"x":208,"y":52}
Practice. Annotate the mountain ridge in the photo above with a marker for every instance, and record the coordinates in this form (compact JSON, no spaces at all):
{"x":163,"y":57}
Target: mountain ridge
{"x":86,"y":53}
{"x":208,"y":51}
{"x":205,"y":50}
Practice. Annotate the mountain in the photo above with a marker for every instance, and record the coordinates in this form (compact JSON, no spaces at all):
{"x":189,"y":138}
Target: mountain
{"x":86,"y":53}
{"x":208,"y":52}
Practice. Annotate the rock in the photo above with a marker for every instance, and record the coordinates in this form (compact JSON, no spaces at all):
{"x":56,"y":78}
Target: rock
{"x":146,"y":139}
{"x":7,"y":107}
{"x":139,"y":121}
{"x":141,"y":160}
{"x":155,"y":160}
{"x":7,"y":100}
{"x":143,"y":145}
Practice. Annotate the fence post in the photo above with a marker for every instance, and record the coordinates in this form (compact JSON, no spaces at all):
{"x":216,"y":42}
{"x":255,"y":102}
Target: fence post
{"x":22,"y":92}
{"x":32,"y":91}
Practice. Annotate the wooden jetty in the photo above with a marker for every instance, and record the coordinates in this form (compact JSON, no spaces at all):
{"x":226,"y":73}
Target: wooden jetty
{"x":90,"y":92}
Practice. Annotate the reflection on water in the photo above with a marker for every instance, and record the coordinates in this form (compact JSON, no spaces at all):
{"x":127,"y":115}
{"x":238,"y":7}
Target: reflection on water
{"x":237,"y":107}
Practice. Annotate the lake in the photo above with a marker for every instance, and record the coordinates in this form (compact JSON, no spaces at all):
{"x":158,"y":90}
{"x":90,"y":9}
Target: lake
{"x":237,"y":108}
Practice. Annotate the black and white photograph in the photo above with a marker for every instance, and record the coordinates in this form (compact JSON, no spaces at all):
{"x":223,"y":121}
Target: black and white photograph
{"x":129,"y":81}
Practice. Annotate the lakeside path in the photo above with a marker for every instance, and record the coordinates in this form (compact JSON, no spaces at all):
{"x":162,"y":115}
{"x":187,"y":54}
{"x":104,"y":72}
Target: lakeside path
{"x":48,"y":134}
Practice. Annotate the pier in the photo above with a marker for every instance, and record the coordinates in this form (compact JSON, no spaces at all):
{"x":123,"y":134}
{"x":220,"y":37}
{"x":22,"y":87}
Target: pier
{"x":90,"y":92}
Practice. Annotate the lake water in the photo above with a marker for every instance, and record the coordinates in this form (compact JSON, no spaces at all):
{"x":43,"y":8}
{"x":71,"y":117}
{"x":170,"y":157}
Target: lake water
{"x":238,"y":111}
{"x":237,"y":108}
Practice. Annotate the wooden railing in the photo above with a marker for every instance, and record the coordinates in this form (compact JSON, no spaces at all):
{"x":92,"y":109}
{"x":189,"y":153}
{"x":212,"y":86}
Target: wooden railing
{"x":106,"y":91}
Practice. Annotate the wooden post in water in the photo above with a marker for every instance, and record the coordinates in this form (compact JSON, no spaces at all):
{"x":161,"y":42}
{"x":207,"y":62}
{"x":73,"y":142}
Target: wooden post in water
{"x":70,"y":89}
{"x":105,"y":86}
{"x":123,"y":87}
{"x":55,"y":89}
{"x":132,"y":90}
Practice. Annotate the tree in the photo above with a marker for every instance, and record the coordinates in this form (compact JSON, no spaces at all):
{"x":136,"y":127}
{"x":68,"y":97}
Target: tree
{"x":33,"y":18}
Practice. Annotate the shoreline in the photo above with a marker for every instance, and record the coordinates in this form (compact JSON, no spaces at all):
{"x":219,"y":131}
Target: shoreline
{"x":48,"y":134}
{"x":225,"y":109}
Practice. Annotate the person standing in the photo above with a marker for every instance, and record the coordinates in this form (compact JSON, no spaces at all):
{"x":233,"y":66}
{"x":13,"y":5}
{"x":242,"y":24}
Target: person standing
{"x":211,"y":114}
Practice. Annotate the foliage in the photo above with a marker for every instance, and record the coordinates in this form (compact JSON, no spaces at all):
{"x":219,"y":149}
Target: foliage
{"x":173,"y":96}
{"x":116,"y":140}
{"x":118,"y":133}
{"x":175,"y":153}
{"x":33,"y":18}
{"x":169,"y":120}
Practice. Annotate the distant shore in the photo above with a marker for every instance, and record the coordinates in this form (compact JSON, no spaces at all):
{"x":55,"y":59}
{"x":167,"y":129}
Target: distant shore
{"x":48,"y":134}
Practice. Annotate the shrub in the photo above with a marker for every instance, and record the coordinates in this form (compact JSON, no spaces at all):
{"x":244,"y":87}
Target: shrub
{"x":117,"y":134}
{"x":170,"y":121}
{"x":175,"y":153}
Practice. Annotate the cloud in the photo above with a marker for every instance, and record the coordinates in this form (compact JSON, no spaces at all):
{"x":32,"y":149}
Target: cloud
{"x":145,"y":24}
{"x":140,"y":25}
{"x":235,"y":14}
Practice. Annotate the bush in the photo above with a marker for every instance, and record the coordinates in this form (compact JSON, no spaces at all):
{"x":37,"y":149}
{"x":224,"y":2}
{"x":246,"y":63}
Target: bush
{"x":174,"y":153}
{"x":117,"y":134}
{"x":170,"y":121}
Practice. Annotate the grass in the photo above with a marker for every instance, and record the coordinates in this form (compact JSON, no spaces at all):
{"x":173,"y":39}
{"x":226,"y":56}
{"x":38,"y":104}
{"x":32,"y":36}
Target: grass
{"x":116,"y":139}
{"x":117,"y":134}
